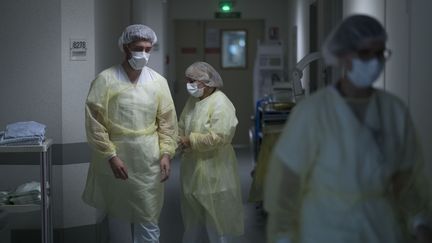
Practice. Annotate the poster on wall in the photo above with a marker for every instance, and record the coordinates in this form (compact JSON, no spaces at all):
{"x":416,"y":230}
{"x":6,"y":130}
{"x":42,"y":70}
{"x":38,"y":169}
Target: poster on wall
{"x":234,"y":49}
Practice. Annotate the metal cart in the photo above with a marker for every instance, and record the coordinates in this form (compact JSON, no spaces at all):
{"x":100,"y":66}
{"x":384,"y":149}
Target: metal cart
{"x":270,"y":117}
{"x":44,"y":151}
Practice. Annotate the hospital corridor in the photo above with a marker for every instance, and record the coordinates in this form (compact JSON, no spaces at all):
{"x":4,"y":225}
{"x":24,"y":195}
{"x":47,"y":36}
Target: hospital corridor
{"x":215,"y":121}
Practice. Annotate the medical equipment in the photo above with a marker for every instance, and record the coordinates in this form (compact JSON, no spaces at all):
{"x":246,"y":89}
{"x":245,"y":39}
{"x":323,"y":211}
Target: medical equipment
{"x":300,"y":88}
{"x":268,"y":70}
{"x":272,"y":111}
{"x":270,"y":116}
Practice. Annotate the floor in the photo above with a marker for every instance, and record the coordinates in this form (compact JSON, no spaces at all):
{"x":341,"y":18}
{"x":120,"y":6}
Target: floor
{"x":171,"y":222}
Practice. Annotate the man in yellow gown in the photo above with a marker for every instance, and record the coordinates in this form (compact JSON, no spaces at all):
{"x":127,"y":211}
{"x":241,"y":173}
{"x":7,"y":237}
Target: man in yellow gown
{"x":131,"y":126}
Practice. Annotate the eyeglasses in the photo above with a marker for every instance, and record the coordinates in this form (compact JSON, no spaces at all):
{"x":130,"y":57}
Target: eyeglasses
{"x":366,"y":54}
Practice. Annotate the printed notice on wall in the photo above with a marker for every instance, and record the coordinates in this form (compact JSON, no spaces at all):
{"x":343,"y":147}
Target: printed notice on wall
{"x":78,"y":49}
{"x":212,"y":38}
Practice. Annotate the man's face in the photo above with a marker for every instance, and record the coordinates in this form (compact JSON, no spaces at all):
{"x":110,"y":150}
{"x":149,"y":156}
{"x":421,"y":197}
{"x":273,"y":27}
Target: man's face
{"x":139,"y":46}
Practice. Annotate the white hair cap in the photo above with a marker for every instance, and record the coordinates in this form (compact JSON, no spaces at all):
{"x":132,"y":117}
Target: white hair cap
{"x":204,"y":72}
{"x":136,"y":32}
{"x":352,"y":34}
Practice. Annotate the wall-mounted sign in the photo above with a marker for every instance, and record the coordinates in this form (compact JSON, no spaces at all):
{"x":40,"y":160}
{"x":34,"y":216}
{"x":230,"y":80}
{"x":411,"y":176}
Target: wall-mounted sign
{"x":78,"y":49}
{"x":228,"y":15}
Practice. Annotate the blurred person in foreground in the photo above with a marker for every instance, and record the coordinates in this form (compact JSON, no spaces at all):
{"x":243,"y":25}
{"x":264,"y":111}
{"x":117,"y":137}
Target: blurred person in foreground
{"x":348,"y":166}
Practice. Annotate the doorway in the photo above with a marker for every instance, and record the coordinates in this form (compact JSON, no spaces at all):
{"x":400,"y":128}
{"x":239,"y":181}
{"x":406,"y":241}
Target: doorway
{"x":201,"y":40}
{"x":314,"y":71}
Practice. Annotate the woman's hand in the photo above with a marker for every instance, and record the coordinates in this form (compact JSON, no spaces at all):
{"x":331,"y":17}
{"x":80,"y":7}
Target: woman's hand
{"x":118,"y":168}
{"x":184,"y":142}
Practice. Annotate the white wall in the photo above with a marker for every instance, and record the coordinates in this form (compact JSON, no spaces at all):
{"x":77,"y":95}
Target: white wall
{"x":299,"y":14}
{"x":77,"y":23}
{"x":420,"y":84}
{"x":30,"y":64}
{"x":397,"y":67}
{"x":374,"y":8}
{"x":110,"y":19}
{"x":153,"y":13}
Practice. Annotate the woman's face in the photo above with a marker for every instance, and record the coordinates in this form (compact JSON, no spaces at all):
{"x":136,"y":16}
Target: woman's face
{"x":198,"y":83}
{"x":364,"y":66}
{"x":373,"y":49}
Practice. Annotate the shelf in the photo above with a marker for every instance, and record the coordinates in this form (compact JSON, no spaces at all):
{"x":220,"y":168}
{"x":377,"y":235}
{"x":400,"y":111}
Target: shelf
{"x":20,"y":208}
{"x":45,"y":208}
{"x":27,"y":148}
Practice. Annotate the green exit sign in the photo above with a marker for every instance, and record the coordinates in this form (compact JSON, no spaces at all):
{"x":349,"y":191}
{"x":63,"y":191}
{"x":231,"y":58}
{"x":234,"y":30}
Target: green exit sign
{"x":225,"y":6}
{"x":227,"y":15}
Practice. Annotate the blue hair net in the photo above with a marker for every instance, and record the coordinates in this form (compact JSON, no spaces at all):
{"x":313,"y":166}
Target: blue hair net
{"x":351,"y":35}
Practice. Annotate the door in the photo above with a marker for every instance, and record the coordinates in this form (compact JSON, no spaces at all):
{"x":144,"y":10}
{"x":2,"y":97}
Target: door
{"x":314,"y":71}
{"x":201,"y":41}
{"x":189,"y":48}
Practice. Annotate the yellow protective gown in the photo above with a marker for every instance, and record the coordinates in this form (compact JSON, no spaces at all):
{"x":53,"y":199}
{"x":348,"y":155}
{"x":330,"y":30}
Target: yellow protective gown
{"x":138,"y":123}
{"x":209,"y":175}
{"x":256,"y":191}
{"x":334,"y":179}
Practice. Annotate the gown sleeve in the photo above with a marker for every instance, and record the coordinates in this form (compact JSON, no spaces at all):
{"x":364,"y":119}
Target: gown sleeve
{"x":222,"y":124}
{"x":412,"y":183}
{"x":166,"y":119}
{"x":291,"y":163}
{"x":96,"y":118}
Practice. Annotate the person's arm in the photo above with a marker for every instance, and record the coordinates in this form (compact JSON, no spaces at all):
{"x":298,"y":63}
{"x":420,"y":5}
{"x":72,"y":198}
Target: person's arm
{"x":96,"y":119}
{"x":292,"y":161}
{"x":182,"y":119}
{"x":166,"y":119}
{"x":221,"y":130}
{"x":96,"y":127}
{"x":282,"y":202}
{"x":167,"y":129}
{"x":412,"y":187}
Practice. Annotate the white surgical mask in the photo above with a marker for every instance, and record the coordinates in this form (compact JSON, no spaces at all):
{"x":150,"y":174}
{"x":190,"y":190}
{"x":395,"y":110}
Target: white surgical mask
{"x":139,"y":59}
{"x":193,"y":90}
{"x":364,"y":73}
